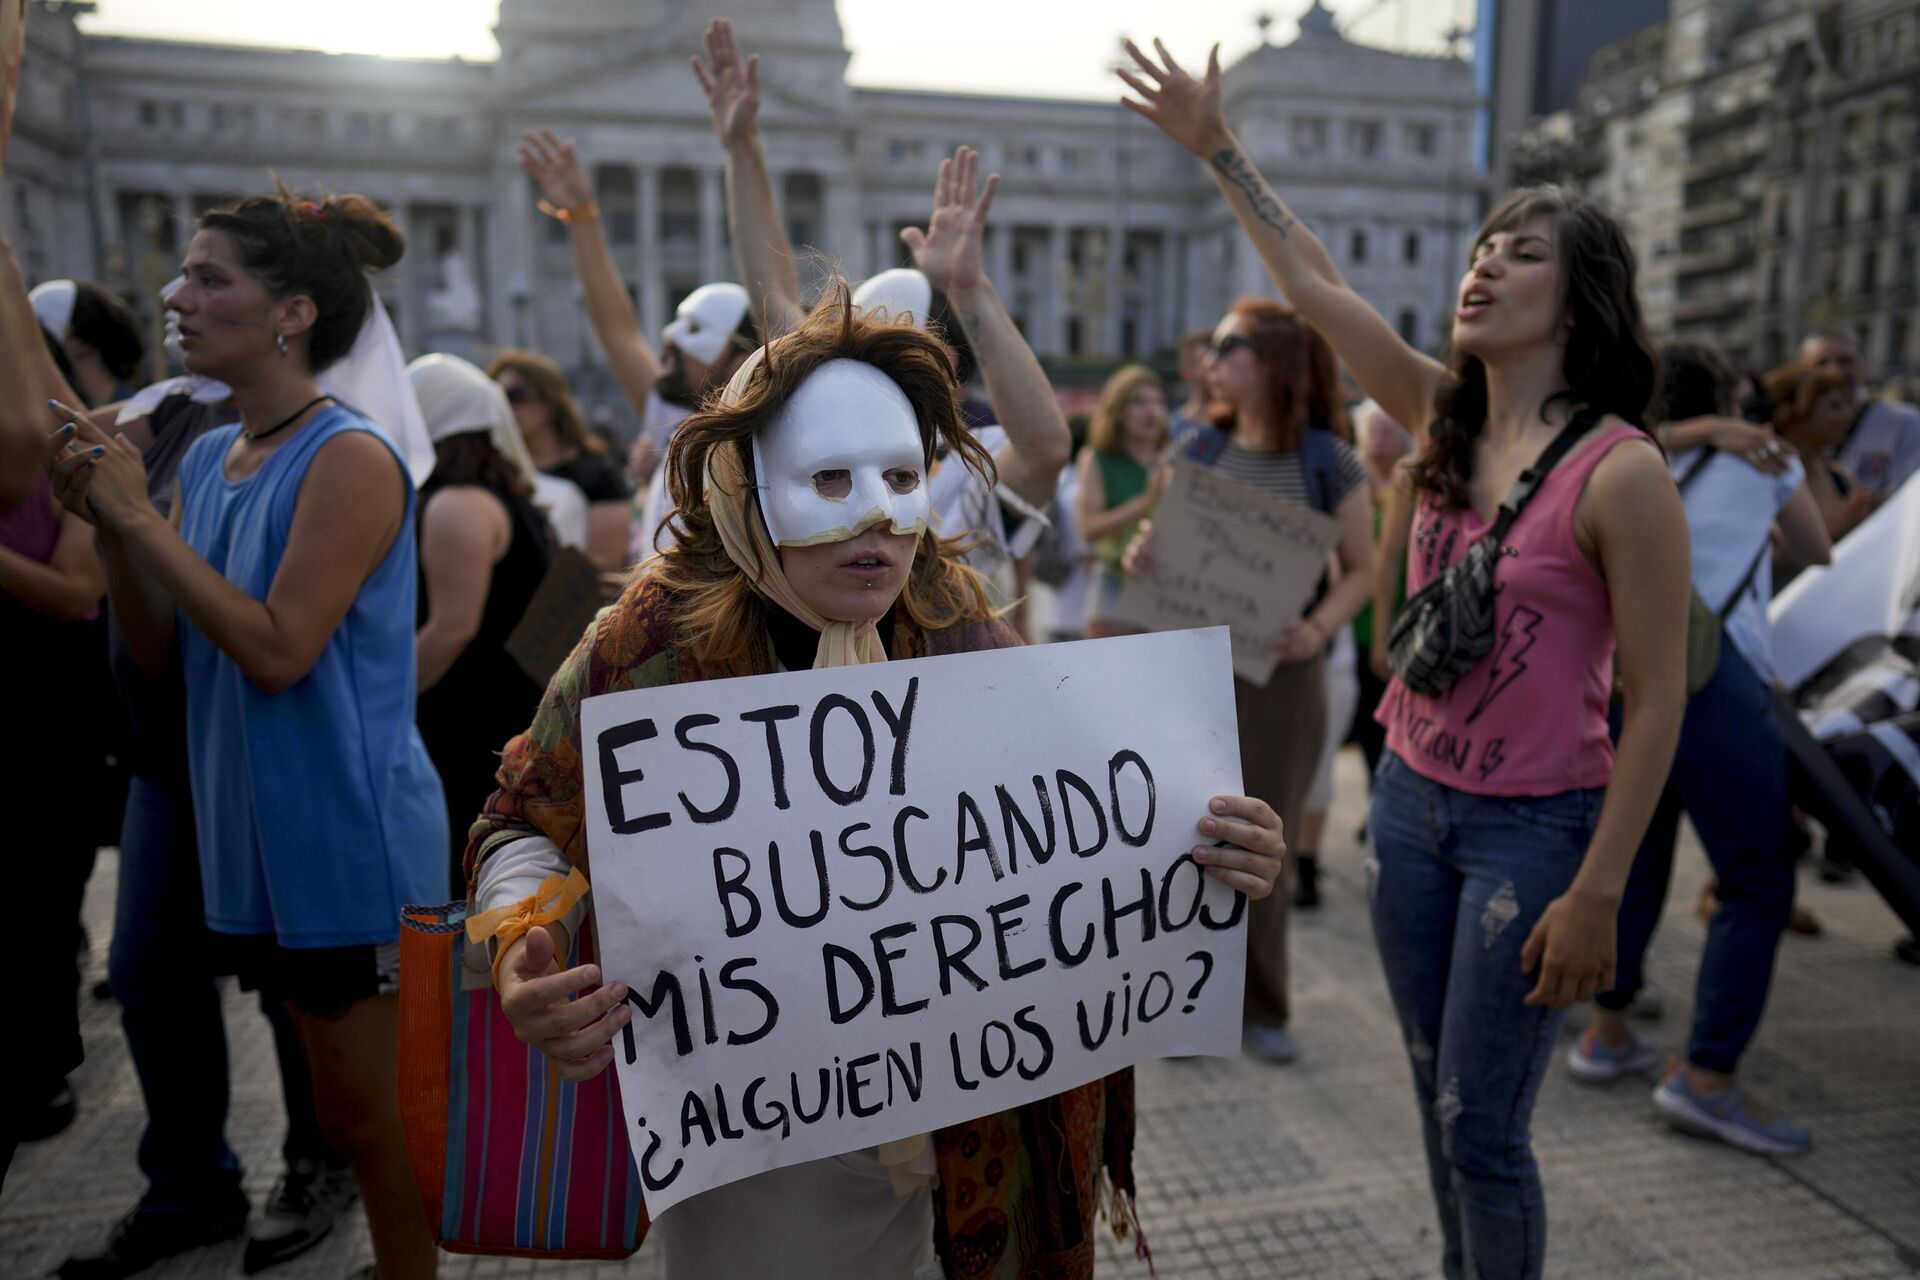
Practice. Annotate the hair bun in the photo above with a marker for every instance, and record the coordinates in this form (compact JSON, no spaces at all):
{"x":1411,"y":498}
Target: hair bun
{"x":374,"y":237}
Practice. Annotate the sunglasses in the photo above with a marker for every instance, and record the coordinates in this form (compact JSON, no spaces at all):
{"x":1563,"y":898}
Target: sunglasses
{"x":1225,"y":346}
{"x":521,"y":395}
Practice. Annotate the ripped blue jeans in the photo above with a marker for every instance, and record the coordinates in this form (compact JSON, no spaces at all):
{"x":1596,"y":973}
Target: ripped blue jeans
{"x":1456,"y":883}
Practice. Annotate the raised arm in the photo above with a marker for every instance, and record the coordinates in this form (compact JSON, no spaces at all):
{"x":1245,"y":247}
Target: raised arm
{"x":948,"y":254}
{"x":1400,"y":379}
{"x":761,"y":249}
{"x":554,"y":163}
{"x":30,"y":377}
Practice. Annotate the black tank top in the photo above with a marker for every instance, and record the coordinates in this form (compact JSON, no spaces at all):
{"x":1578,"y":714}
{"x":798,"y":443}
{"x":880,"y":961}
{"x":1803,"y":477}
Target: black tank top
{"x":485,"y":698}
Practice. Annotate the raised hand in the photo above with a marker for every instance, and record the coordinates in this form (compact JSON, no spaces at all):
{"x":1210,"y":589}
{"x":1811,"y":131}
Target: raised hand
{"x":1185,"y":109}
{"x":732,"y":86}
{"x":948,"y":251}
{"x":553,"y":163}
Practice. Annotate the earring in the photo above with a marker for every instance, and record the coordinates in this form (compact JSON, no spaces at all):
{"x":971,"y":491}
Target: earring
{"x":280,"y":341}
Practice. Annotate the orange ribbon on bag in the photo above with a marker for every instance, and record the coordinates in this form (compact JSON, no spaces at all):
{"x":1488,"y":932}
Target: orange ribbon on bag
{"x":550,"y":902}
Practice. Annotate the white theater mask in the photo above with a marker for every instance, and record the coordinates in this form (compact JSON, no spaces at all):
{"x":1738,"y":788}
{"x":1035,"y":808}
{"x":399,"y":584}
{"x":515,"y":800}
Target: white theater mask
{"x":842,"y":456}
{"x":704,"y":323}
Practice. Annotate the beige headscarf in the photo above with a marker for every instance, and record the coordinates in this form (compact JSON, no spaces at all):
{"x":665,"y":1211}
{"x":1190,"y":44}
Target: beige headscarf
{"x":909,"y":1162}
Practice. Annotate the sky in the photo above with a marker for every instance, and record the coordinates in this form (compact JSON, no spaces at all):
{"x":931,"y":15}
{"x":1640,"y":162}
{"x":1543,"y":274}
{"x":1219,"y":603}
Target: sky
{"x":1061,"y":48}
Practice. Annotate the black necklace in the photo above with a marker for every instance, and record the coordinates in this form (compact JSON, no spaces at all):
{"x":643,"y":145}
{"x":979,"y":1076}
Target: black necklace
{"x":287,"y":421}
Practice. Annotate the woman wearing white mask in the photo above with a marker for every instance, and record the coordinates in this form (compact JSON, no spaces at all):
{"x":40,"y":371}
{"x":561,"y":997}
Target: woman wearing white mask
{"x":773,"y":570}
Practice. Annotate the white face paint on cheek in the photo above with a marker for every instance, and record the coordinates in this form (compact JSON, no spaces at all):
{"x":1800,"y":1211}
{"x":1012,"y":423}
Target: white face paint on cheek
{"x":835,"y":461}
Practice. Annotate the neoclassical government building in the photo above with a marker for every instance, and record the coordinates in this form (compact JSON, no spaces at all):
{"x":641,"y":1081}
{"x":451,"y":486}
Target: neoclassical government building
{"x":1107,"y":240}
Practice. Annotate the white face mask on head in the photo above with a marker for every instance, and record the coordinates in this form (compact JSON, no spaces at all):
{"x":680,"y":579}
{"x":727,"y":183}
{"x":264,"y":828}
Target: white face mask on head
{"x":704,"y":323}
{"x":842,"y":456}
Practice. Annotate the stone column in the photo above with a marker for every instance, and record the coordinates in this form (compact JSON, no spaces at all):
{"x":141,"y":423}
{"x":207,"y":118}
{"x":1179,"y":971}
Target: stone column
{"x":840,"y":237}
{"x":182,"y":220}
{"x":714,"y":264}
{"x":416,"y":278}
{"x":880,"y":243}
{"x":474,"y":244}
{"x":1109,"y":339}
{"x":1049,"y":324}
{"x":647,"y":246}
{"x":518,"y":236}
{"x":1000,"y":259}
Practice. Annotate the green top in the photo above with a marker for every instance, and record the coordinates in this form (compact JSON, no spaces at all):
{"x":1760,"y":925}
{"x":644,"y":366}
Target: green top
{"x":1123,"y":479}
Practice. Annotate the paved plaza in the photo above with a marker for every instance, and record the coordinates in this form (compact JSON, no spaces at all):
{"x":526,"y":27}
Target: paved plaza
{"x":1312,"y":1170}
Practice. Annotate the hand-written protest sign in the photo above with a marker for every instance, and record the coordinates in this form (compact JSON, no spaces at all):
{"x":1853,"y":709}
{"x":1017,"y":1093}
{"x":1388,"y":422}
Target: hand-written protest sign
{"x":562,"y":606}
{"x":860,"y":904}
{"x":1225,"y":553}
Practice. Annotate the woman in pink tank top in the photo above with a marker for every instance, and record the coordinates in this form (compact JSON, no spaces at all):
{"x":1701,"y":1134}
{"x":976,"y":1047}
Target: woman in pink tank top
{"x":1503,"y":829}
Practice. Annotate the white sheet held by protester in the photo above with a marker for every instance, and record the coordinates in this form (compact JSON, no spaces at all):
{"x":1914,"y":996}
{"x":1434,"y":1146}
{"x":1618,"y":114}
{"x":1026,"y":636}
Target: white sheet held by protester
{"x":858,"y":904}
{"x":1872,"y":588}
{"x":1225,"y":553}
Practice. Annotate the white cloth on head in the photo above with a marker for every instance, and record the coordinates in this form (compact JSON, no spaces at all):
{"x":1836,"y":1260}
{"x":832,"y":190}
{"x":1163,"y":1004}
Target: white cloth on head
{"x":456,"y":397}
{"x":53,"y":302}
{"x":896,"y":294}
{"x":372,"y":380}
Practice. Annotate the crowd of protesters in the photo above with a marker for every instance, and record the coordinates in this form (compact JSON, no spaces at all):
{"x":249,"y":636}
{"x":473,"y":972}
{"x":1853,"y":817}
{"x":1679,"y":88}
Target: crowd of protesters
{"x":284,"y":613}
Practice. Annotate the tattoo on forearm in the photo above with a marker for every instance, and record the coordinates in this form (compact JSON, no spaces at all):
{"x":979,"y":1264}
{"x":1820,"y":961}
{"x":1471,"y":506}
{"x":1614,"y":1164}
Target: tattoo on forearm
{"x":1233,"y":167}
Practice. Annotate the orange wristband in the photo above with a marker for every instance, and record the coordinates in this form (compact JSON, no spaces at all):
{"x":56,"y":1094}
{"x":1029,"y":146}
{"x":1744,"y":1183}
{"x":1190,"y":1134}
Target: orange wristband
{"x":591,"y":209}
{"x":507,"y":925}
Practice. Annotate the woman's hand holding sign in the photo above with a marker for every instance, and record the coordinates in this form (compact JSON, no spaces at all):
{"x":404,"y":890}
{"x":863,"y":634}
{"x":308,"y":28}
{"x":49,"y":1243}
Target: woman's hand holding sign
{"x":538,"y":1001}
{"x":1252,"y":848}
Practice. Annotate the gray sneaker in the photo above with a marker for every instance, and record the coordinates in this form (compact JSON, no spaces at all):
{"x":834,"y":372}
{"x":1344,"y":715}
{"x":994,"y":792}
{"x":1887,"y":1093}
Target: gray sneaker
{"x":306,"y":1202}
{"x":1730,"y":1116}
{"x":1271,"y":1044}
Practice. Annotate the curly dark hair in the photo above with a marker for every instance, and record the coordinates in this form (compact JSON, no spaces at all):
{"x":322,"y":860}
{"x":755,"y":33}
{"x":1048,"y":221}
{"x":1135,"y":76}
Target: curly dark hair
{"x":104,"y":322}
{"x":723,"y":613}
{"x":320,"y":247}
{"x":1609,"y":364}
{"x":1696,"y":381}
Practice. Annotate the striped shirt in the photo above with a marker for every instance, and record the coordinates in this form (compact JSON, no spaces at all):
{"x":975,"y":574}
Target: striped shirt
{"x":1282,"y":475}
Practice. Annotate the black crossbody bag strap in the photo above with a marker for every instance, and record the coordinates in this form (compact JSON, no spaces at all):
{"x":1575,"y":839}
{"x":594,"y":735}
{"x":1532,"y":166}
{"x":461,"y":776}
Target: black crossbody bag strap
{"x":1746,"y":579}
{"x":1524,"y":487}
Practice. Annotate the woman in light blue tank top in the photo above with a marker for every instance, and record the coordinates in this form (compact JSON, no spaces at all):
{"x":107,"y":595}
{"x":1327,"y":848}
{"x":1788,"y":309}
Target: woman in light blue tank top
{"x":287,"y":580}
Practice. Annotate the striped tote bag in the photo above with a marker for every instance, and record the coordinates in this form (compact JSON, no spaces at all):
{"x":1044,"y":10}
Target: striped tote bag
{"x":510,"y":1158}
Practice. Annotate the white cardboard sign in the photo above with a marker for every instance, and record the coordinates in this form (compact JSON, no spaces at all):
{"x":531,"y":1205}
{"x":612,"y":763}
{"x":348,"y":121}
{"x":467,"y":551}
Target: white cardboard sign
{"x":1227,"y":554}
{"x":857,"y":905}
